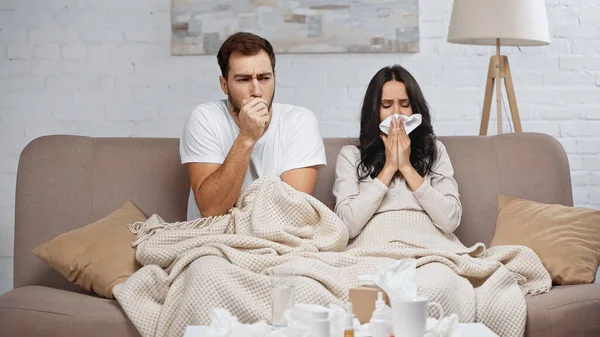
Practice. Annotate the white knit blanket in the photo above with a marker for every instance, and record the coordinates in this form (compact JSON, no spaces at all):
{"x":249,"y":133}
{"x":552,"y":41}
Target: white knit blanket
{"x":191,"y":267}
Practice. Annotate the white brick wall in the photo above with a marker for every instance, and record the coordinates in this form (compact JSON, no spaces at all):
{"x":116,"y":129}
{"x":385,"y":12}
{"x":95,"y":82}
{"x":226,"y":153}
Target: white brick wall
{"x":103,"y":68}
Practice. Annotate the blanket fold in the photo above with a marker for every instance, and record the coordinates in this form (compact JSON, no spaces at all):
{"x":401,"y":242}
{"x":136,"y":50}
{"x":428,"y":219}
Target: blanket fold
{"x":192,"y":267}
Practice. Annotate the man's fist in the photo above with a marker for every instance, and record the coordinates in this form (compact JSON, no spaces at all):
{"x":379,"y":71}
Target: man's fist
{"x":254,"y":118}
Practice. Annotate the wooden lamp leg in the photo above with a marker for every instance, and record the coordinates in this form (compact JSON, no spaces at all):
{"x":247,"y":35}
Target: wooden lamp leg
{"x":489,"y":93}
{"x":510,"y":92}
{"x":498,"y":87}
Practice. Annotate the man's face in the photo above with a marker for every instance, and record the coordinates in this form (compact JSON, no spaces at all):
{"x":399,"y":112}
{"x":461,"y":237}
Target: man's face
{"x":249,"y":77}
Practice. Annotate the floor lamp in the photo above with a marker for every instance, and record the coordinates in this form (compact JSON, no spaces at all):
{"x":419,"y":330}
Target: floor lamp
{"x":495,"y":23}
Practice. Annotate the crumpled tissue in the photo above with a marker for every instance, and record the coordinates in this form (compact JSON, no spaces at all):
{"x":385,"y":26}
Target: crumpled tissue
{"x":410,"y":122}
{"x":445,"y":327}
{"x":398,"y":278}
{"x":223,"y":324}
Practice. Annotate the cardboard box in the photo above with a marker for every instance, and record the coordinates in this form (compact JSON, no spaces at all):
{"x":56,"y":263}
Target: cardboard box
{"x":363,"y":302}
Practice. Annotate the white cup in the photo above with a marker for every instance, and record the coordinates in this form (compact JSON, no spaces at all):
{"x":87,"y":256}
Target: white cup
{"x":409,"y":317}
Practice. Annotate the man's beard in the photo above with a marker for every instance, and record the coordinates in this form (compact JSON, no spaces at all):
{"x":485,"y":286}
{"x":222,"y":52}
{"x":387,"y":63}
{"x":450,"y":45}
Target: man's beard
{"x":234,"y":105}
{"x":237,"y":106}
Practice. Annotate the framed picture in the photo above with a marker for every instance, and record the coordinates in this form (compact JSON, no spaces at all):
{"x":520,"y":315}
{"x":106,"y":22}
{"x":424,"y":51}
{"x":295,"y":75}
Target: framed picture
{"x":199,"y":27}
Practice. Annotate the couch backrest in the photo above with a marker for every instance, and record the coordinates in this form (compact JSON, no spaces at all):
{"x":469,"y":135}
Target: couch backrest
{"x":65,"y":182}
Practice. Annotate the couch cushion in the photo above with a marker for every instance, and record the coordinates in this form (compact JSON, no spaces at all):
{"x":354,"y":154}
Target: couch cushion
{"x":98,"y":256}
{"x":566,"y":239}
{"x":41,"y":311}
{"x":565,"y":311}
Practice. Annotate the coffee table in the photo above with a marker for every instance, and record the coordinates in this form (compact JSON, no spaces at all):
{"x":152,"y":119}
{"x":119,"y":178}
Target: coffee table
{"x":465,"y":330}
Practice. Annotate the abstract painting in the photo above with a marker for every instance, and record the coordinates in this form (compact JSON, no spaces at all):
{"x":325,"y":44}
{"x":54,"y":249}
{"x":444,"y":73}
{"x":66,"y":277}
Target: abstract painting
{"x":199,"y":27}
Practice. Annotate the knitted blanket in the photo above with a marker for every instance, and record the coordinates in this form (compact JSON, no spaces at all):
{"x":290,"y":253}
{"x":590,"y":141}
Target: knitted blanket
{"x":191,"y":267}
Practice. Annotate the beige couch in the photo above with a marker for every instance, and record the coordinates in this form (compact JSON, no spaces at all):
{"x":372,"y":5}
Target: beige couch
{"x":65,"y":182}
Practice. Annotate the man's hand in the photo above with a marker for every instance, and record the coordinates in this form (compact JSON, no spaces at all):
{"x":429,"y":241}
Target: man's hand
{"x":254,"y":118}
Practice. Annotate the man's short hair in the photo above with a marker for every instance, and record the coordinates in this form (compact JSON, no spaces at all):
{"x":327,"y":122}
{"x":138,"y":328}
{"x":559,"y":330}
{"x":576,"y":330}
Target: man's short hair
{"x":246,"y":44}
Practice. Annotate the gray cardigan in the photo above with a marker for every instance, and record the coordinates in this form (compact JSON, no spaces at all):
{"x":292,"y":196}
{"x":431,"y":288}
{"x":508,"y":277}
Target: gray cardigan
{"x":357,"y":201}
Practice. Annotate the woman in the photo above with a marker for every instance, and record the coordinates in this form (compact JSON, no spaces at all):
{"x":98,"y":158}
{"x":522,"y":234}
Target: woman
{"x":395,"y":171}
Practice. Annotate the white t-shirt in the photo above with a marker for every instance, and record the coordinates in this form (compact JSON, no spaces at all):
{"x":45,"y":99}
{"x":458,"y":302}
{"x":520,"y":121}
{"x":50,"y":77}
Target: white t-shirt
{"x":292,"y":140}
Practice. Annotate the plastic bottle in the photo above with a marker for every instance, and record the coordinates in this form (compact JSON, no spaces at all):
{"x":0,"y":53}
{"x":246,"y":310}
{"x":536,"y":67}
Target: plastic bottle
{"x":321,"y":326}
{"x":377,"y":324}
{"x":349,"y":325}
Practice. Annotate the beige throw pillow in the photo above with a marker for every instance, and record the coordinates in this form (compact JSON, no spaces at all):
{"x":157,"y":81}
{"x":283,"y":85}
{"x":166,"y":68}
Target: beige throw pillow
{"x":566,"y":239}
{"x":98,"y":256}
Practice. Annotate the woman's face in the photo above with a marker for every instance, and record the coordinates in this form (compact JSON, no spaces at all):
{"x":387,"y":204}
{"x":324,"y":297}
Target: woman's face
{"x":394,"y":100}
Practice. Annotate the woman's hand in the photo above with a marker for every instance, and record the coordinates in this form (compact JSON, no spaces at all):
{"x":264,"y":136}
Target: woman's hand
{"x":391,"y":153}
{"x":403,"y":148}
{"x":411,"y":176}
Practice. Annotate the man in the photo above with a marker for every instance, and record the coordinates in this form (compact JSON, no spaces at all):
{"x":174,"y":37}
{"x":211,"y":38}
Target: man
{"x":227,"y":144}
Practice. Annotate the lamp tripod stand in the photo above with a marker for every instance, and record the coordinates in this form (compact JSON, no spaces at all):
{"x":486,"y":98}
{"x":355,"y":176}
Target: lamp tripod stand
{"x":499,"y":69}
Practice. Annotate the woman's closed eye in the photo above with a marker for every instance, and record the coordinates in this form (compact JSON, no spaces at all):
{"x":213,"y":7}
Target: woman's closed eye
{"x":387,"y":103}
{"x":402,"y":104}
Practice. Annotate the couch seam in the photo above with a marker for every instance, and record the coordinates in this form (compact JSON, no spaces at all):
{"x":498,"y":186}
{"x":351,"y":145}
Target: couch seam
{"x":36,"y":310}
{"x":578,"y":302}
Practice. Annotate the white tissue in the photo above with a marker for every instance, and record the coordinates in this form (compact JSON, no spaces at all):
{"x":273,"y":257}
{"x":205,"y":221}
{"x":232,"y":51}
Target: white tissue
{"x":223,"y":324}
{"x":410,"y":123}
{"x":398,"y":279}
{"x":445,"y":327}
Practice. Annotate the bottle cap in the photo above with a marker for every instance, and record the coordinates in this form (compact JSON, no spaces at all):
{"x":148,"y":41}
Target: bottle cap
{"x":379,"y":303}
{"x":378,"y":313}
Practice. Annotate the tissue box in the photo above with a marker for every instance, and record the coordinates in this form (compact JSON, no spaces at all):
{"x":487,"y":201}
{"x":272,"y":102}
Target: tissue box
{"x":363,"y":302}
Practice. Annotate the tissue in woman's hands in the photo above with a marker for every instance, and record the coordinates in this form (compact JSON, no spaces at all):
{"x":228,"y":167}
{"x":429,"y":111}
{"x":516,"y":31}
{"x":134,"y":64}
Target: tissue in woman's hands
{"x":398,"y":279}
{"x":410,"y":122}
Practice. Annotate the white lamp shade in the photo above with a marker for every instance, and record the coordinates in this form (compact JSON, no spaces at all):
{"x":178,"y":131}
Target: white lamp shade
{"x":514,"y":22}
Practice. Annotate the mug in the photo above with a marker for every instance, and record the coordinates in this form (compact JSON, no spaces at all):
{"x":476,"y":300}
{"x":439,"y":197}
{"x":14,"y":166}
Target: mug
{"x":409,"y":317}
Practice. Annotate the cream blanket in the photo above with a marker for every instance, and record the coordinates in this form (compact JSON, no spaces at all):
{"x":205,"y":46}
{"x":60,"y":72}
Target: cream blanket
{"x":191,"y":267}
